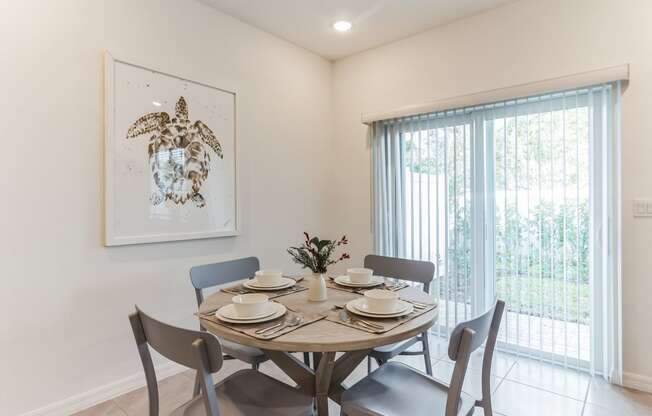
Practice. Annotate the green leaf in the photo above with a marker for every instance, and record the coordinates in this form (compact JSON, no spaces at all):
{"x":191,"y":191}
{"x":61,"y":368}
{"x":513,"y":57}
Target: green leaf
{"x":324,"y":243}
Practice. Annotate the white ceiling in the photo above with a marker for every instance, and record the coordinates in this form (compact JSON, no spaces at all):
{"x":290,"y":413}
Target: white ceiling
{"x":308,"y":23}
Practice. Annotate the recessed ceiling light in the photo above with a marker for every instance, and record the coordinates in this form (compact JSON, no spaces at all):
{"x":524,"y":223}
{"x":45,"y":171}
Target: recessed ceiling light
{"x":156,"y":103}
{"x":342,"y":26}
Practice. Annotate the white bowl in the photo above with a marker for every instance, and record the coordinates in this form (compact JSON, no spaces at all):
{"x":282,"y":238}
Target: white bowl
{"x":269,"y":277}
{"x":250,"y":304}
{"x":381,"y":301}
{"x":359,"y":275}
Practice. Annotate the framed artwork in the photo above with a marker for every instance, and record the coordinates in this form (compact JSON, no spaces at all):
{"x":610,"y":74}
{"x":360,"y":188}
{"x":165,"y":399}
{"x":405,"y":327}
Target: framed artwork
{"x":170,"y":157}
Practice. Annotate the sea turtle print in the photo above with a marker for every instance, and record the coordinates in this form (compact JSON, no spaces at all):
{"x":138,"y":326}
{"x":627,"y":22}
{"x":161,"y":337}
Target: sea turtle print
{"x":180,"y":163}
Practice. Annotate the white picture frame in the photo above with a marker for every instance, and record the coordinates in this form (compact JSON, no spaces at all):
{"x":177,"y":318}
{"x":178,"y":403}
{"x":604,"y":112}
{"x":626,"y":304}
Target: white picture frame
{"x":163,"y":136}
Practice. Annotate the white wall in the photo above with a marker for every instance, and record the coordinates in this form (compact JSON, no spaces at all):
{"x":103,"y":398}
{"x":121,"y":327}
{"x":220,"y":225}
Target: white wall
{"x":525,"y":41}
{"x":64,"y":297}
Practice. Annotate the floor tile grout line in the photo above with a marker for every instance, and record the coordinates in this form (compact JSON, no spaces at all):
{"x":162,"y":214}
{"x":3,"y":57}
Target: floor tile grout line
{"x":115,"y":403}
{"x":586,"y":397}
{"x":191,"y":377}
{"x":545,"y":390}
{"x":504,"y":377}
{"x":511,"y":367}
{"x":538,"y":387}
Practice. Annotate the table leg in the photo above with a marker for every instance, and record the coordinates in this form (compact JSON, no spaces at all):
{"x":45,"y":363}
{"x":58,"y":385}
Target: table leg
{"x":326,"y":380}
{"x":295,"y":369}
{"x":343,"y":367}
{"x":323,"y":382}
{"x":316,"y":356}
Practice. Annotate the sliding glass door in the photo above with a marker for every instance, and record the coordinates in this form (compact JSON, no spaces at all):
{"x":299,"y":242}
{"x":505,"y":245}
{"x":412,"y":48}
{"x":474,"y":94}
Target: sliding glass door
{"x":438,"y":192}
{"x":506,"y":200}
{"x":540,"y":190}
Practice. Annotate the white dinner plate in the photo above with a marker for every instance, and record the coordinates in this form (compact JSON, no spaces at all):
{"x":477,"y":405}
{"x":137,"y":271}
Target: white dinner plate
{"x":401,"y":310}
{"x":230,"y":312}
{"x":362,"y":306}
{"x":278,"y":310}
{"x":254,"y":284}
{"x":345,"y":281}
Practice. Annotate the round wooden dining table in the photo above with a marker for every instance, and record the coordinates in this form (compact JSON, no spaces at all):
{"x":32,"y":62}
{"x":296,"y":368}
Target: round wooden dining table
{"x":323,"y":338}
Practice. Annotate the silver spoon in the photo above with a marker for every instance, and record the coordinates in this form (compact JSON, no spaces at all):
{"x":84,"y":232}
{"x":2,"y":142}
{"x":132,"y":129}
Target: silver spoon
{"x":296,"y":320}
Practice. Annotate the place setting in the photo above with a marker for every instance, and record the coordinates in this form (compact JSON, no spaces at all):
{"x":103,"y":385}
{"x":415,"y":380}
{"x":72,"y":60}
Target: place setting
{"x":378,"y":308}
{"x":378,"y":311}
{"x":273,"y":283}
{"x":360,"y":279}
{"x":255,"y":315}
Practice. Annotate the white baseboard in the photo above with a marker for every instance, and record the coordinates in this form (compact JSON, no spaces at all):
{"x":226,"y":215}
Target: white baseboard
{"x":637,"y":382}
{"x":100,"y":394}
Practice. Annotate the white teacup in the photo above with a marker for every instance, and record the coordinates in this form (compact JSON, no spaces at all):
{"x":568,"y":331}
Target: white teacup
{"x":250,"y":304}
{"x":359,"y":275}
{"x":381,"y":301}
{"x":269,"y":277}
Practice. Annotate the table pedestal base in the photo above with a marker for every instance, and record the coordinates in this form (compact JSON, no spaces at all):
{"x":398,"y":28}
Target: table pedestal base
{"x":326,"y":380}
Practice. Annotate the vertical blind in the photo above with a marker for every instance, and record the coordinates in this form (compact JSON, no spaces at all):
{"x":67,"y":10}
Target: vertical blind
{"x":507,"y":200}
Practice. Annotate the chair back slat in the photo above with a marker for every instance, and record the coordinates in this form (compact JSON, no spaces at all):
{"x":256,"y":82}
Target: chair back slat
{"x":404,"y":269}
{"x":459,"y":371}
{"x":197,"y":350}
{"x":466,"y":338}
{"x":209,"y":275}
{"x":481,"y":325}
{"x":175,"y":343}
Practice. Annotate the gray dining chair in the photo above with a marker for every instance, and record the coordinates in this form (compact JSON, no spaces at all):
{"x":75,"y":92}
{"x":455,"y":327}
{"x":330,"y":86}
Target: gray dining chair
{"x":414,"y":271}
{"x":211,"y":275}
{"x":244,"y":393}
{"x":396,"y":389}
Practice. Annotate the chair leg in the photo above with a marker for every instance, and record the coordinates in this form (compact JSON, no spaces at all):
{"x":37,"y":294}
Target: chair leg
{"x":255,"y":366}
{"x":486,"y":406}
{"x":426,"y":352}
{"x":306,"y":358}
{"x":196,"y":391}
{"x":485,"y":403}
{"x":368,"y":365}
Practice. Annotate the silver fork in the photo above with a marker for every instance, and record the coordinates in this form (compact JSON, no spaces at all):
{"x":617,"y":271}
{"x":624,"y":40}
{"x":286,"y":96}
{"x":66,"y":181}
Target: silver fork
{"x":209,"y":312}
{"x":346,"y":316}
{"x":261,"y":330}
{"x":393,"y":286}
{"x":418,"y":304}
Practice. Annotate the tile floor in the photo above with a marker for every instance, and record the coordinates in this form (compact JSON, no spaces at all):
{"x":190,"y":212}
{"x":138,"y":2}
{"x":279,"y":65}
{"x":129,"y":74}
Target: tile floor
{"x":521,"y":387}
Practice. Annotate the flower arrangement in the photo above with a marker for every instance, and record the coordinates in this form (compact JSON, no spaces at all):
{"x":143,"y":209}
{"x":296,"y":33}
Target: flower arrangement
{"x":315,"y":254}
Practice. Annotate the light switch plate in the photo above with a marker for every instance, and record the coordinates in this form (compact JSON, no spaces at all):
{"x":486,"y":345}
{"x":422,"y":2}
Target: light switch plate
{"x":643,"y":208}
